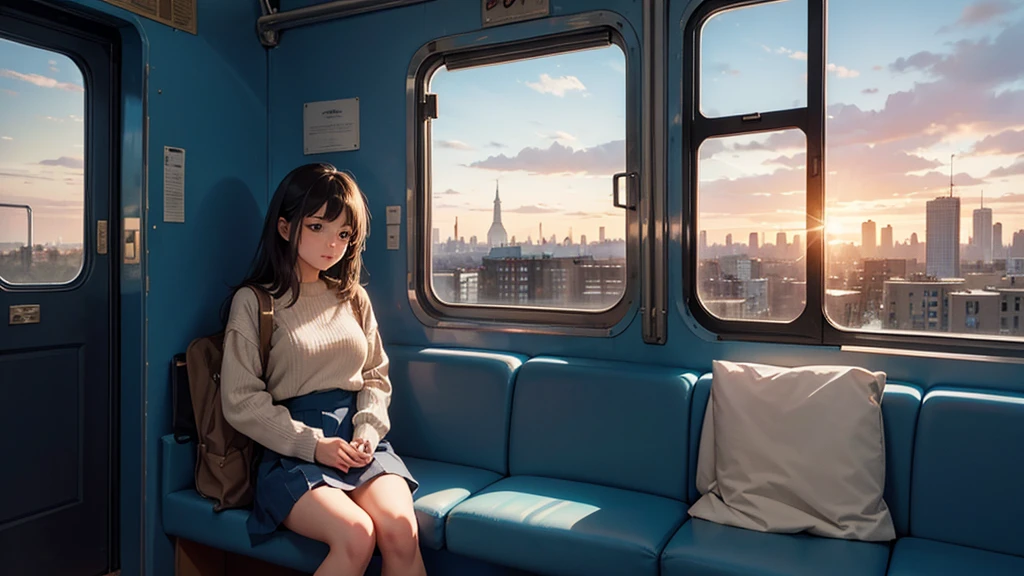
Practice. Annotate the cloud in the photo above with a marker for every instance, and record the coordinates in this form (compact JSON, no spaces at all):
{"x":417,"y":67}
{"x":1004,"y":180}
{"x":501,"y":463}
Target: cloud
{"x":842,"y":71}
{"x":53,"y":66}
{"x":711,"y":147}
{"x":532,"y":209}
{"x":981,"y":13}
{"x":41,"y":81}
{"x":76,"y":118}
{"x":617,"y":66}
{"x":1006,"y":142}
{"x":1015,"y":169}
{"x":796,"y":161}
{"x":586,"y":214}
{"x":449,"y":192}
{"x":495,"y":145}
{"x":52,"y":119}
{"x":724,"y":69}
{"x":23,"y":175}
{"x":65,"y":162}
{"x":560,"y":135}
{"x":605,"y":159}
{"x":869,"y":91}
{"x":7,"y":138}
{"x":986,"y":62}
{"x":557,"y":86}
{"x":777,"y":142}
{"x":8,"y":92}
{"x":454,"y":145}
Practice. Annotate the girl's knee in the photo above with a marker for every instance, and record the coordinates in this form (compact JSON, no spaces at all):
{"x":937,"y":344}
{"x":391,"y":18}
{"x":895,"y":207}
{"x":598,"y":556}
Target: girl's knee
{"x":398,"y":534}
{"x":355,"y":537}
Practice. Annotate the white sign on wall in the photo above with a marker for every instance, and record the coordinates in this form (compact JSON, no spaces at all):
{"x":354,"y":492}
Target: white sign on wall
{"x":330,"y":126}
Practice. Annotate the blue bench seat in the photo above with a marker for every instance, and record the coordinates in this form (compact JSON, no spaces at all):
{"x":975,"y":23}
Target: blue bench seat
{"x":547,"y":526}
{"x":706,"y":548}
{"x":917,"y":556}
{"x":597,"y":471}
{"x":450,"y":415}
{"x":188,"y":515}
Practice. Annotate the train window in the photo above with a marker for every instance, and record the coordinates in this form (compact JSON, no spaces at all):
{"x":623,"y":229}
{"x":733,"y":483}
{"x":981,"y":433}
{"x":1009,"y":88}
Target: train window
{"x":521,"y":158}
{"x":765,"y":70}
{"x":910,"y":157}
{"x":42,"y":169}
{"x":925,"y":157}
{"x":761,"y":275}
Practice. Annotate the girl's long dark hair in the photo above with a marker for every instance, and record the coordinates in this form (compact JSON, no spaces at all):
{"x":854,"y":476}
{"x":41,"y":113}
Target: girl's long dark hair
{"x":301,"y":194}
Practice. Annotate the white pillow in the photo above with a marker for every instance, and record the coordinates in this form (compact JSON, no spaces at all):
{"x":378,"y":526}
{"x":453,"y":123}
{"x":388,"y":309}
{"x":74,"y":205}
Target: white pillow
{"x":793,"y":450}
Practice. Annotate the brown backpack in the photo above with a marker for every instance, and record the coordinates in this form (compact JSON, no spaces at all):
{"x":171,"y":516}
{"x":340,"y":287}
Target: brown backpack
{"x":226,"y":459}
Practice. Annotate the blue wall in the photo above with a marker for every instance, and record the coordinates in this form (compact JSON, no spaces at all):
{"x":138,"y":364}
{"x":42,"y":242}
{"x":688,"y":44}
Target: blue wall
{"x":207,"y":94}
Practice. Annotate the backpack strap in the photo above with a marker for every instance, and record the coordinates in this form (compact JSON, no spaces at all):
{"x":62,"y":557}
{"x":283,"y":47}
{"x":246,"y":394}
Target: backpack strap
{"x":266,"y":324}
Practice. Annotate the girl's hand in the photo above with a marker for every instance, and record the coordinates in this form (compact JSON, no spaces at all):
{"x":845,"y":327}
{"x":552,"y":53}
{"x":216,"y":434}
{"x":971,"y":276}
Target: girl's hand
{"x":363,"y":446}
{"x":340,"y":454}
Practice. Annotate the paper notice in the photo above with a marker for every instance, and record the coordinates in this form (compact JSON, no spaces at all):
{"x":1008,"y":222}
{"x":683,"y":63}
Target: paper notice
{"x":330,"y":126}
{"x":180,"y":14}
{"x":174,"y":184}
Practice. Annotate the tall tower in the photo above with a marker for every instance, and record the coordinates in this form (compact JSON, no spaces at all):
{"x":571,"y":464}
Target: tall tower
{"x":497,"y":236}
{"x":867,"y":239}
{"x":983,"y":231}
{"x":942,"y":237}
{"x":885,"y":248}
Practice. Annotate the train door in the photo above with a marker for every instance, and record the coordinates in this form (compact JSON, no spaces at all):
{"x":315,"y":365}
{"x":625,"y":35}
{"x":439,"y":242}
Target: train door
{"x":57,"y":266}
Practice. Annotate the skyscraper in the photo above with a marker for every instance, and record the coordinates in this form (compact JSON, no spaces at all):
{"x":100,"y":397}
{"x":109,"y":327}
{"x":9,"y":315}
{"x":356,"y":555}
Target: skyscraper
{"x":867,"y":239}
{"x":703,"y":240}
{"x":997,"y":240}
{"x":600,"y":234}
{"x":886,"y":246}
{"x":780,"y":240}
{"x":753,"y":241}
{"x":942,"y":237}
{"x":497,"y":236}
{"x":983,"y":231}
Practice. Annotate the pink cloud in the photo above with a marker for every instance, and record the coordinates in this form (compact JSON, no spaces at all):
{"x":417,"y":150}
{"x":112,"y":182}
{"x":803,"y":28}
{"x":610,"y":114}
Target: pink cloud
{"x":1007,"y":142}
{"x":604,"y":159}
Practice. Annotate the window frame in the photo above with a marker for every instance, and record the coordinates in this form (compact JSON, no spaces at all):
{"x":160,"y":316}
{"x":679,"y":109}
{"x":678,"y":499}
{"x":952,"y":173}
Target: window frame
{"x":813,"y":326}
{"x":809,"y":119}
{"x":501,"y":45}
{"x":56,"y":43}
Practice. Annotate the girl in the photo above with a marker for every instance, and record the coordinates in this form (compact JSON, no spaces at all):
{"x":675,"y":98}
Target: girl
{"x":322,"y":413}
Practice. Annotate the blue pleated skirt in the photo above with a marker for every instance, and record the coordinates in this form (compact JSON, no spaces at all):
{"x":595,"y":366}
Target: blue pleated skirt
{"x":282,"y":480}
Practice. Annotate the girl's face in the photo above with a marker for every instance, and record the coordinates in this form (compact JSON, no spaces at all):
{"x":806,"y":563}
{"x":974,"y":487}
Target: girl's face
{"x":321,"y":243}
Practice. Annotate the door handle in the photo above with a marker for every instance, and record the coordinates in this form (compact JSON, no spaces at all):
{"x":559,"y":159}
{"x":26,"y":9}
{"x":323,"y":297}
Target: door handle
{"x":630,"y":203}
{"x":132,"y":240}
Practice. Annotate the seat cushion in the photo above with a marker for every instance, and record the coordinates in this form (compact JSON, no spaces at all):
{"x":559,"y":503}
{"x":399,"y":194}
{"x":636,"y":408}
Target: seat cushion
{"x":915,"y":556}
{"x":569,"y":414}
{"x":442,"y":486}
{"x":452,"y":405}
{"x":554,"y":526}
{"x":188,"y":515}
{"x":968,"y":470}
{"x":705,"y":548}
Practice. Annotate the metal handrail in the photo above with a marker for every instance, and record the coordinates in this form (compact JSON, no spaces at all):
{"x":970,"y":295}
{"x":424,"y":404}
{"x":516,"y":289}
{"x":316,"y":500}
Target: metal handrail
{"x":271,"y":23}
{"x":31,"y":219}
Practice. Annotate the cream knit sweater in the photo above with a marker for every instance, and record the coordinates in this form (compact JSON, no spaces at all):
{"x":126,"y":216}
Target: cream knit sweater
{"x":320,"y":343}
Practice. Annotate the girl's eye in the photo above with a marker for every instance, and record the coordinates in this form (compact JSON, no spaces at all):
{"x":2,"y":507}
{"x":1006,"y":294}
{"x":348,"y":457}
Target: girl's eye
{"x":315,"y":227}
{"x":345,"y":234}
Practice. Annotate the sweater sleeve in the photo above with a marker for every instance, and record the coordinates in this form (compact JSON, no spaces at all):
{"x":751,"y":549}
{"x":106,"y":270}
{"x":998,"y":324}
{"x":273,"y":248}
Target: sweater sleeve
{"x":248,"y":407}
{"x":371,"y":419}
